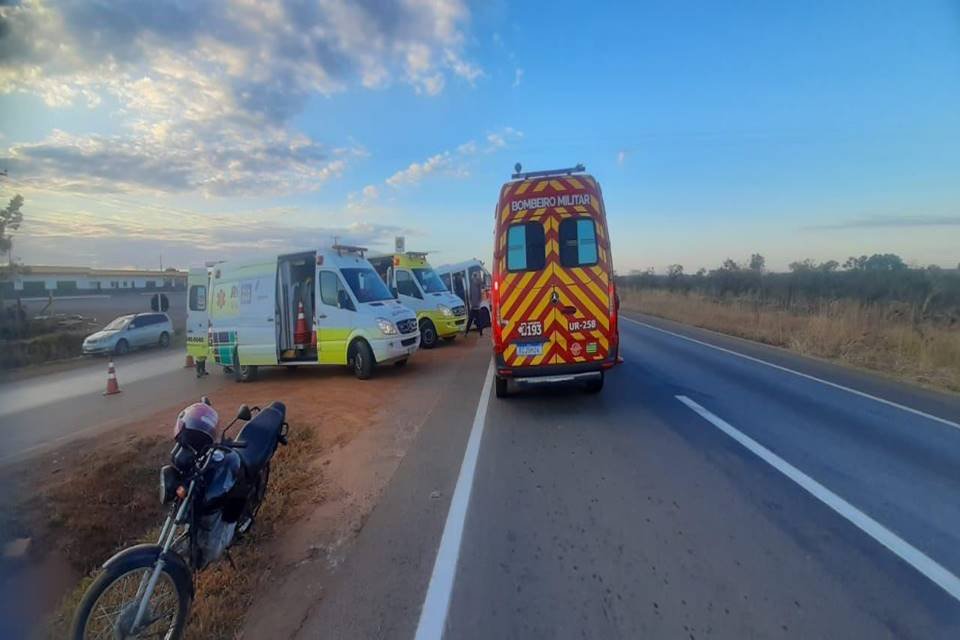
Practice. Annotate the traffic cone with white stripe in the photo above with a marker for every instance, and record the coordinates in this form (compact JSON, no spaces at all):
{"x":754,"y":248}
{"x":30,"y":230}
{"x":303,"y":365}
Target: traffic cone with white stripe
{"x":112,"y":386}
{"x":189,"y":364}
{"x":300,"y":333}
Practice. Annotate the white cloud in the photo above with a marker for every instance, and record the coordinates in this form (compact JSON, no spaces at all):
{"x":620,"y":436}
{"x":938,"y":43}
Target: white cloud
{"x":131,"y":238}
{"x":417,"y":171}
{"x":215,"y":81}
{"x":363,"y":201}
{"x":517,"y":77}
{"x":453,"y":163}
{"x":167,"y":157}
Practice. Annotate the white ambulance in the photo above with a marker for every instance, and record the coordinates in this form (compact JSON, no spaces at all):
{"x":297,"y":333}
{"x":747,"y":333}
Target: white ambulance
{"x":463,"y":276}
{"x":316,"y":307}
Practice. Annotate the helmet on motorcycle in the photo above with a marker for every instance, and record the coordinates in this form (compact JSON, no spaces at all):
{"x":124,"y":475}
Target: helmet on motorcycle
{"x":196,"y":426}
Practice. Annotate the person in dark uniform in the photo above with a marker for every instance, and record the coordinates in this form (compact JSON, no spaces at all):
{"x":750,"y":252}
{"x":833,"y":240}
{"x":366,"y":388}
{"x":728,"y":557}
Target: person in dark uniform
{"x":475,"y":302}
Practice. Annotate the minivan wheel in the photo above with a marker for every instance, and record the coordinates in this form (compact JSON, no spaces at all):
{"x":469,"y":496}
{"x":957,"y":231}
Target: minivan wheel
{"x":361,"y":360}
{"x":164,"y":340}
{"x":121,"y":347}
{"x":428,"y":334}
{"x":595,"y":385}
{"x":501,"y":387}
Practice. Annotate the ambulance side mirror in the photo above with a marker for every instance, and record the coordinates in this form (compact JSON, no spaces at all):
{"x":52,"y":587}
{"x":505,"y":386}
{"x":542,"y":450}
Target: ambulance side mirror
{"x":396,"y":294}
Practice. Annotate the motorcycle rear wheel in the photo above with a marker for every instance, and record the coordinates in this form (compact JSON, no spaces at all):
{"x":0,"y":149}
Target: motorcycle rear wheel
{"x":110,"y":603}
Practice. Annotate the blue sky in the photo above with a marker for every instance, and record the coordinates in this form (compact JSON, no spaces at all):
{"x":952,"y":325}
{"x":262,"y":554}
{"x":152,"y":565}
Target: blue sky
{"x":804,"y":130}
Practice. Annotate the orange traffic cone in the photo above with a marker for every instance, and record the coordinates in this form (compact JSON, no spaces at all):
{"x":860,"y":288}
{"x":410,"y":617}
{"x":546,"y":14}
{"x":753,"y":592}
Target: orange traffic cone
{"x":189,"y":363}
{"x":112,"y":386}
{"x":300,"y":335}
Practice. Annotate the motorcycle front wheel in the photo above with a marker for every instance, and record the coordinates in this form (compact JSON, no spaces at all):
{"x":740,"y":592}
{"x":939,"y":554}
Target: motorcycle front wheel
{"x":109,"y":606}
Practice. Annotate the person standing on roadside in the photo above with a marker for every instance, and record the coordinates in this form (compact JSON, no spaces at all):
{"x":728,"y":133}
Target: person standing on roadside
{"x":475,"y":301}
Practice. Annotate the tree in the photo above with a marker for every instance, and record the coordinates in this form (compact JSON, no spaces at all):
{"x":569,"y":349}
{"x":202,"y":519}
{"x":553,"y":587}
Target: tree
{"x":729,"y":265}
{"x":829,"y":266}
{"x":802,"y":265}
{"x":884,"y":262}
{"x":10,"y":219}
{"x":855,"y":263}
{"x":674,"y":270}
{"x":758,"y":263}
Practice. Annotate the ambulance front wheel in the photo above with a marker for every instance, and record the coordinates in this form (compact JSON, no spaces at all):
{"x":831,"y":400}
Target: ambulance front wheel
{"x":501,"y":387}
{"x":361,"y":360}
{"x":428,"y":334}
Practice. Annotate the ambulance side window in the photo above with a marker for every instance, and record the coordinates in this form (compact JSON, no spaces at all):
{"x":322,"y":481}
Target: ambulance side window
{"x":198,"y":297}
{"x":405,"y":284}
{"x":578,"y":242}
{"x":329,"y":285}
{"x":526,"y":247}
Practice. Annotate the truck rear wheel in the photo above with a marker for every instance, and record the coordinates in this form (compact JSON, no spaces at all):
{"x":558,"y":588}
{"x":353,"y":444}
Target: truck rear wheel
{"x":501,"y":387}
{"x":361,"y":360}
{"x":428,"y":334}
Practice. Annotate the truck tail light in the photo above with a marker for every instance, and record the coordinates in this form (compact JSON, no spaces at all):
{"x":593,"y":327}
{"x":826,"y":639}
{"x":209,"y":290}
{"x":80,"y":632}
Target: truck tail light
{"x":613,"y":304}
{"x":497,"y":320}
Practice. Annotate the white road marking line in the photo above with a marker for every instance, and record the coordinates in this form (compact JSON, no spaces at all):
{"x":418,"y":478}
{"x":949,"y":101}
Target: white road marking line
{"x":433,"y":615}
{"x":903,"y":549}
{"x":862,"y":394}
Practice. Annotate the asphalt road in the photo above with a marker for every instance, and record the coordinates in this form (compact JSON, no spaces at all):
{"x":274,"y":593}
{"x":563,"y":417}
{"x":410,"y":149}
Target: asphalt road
{"x":704,"y":493}
{"x":43,"y":411}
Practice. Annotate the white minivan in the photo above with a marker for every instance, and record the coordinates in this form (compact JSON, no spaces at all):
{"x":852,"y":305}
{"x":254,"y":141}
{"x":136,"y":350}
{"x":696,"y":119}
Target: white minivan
{"x":316,"y":307}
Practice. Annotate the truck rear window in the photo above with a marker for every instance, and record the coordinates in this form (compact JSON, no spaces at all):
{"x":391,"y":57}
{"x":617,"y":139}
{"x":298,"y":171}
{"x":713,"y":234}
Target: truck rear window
{"x":578,"y":242}
{"x":526,"y":247}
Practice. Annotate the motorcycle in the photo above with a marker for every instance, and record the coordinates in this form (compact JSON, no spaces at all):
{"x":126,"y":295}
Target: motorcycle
{"x":214,"y":487}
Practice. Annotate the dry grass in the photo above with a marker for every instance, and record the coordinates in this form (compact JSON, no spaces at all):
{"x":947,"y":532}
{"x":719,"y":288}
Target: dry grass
{"x":885,"y":338}
{"x":95,"y":514}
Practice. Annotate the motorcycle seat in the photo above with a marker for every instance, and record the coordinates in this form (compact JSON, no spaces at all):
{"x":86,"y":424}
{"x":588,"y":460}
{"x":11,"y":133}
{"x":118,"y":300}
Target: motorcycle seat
{"x":261,"y":436}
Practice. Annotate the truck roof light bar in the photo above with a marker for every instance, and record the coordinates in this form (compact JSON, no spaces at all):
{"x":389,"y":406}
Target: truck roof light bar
{"x":348,"y":248}
{"x":517,"y":175}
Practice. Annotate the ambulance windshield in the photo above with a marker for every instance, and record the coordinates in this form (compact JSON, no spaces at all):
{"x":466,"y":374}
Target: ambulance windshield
{"x":429,"y":280}
{"x":366,"y":284}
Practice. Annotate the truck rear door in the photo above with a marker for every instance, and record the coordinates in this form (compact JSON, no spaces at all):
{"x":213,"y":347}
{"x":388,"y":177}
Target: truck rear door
{"x":526,"y":296}
{"x":582,"y":287}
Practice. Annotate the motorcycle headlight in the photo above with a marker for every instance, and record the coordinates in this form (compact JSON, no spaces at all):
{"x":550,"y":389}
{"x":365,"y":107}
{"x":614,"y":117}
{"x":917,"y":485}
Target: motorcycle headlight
{"x":445,"y":310}
{"x":387,"y":327}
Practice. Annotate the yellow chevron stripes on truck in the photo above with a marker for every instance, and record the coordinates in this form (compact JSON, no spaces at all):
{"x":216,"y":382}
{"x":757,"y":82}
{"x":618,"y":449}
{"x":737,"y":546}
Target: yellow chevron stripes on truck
{"x":599,"y":316}
{"x":514,"y":290}
{"x":541,"y":186}
{"x":527,"y":300}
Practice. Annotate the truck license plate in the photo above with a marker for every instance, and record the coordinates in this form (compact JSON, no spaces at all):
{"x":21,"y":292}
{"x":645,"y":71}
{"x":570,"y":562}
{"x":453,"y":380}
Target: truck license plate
{"x":530,"y":349}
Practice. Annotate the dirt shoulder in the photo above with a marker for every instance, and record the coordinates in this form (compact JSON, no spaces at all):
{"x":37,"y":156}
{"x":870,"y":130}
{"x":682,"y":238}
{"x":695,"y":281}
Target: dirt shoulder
{"x":79,"y":503}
